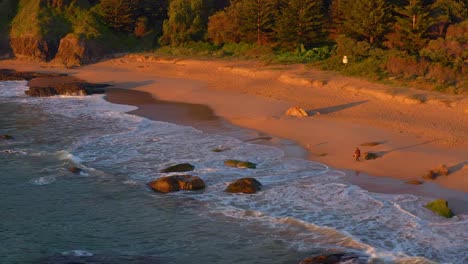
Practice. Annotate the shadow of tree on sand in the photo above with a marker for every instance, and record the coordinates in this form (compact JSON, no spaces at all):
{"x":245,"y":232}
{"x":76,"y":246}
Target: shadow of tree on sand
{"x":457,"y":167}
{"x":385,"y":152}
{"x":336,"y":108}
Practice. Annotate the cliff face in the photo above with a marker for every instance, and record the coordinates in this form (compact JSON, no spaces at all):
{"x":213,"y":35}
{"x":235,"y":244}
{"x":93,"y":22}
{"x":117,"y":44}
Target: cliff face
{"x":61,"y":30}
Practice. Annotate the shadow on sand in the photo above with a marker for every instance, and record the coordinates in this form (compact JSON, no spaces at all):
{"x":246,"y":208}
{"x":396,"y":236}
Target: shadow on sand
{"x":336,"y":108}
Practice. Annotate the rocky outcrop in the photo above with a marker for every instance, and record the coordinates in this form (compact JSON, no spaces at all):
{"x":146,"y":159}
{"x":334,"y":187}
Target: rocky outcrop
{"x":75,"y":51}
{"x":12,"y":75}
{"x":244,"y":185}
{"x":440,"y":207}
{"x":296,"y":111}
{"x":430,"y":175}
{"x":70,"y":89}
{"x":63,"y":85}
{"x":240,"y":164}
{"x":179,"y":168}
{"x":75,"y":170}
{"x":442,"y":170}
{"x":34,"y":48}
{"x":176,"y":183}
{"x":335,"y":259}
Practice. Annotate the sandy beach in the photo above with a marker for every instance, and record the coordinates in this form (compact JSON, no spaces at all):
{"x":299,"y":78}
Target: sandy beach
{"x":413,"y":131}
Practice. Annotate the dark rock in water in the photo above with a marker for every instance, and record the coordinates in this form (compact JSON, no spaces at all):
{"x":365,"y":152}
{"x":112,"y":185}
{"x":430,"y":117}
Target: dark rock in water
{"x":240,"y":164}
{"x":244,"y":185}
{"x":71,"y":89}
{"x":12,"y":75}
{"x":334,"y":259}
{"x":176,"y":183}
{"x":414,"y":182}
{"x":370,"y":156}
{"x":430,"y":175}
{"x":440,"y":207}
{"x":75,"y":170}
{"x":6,"y":136}
{"x":179,"y":168}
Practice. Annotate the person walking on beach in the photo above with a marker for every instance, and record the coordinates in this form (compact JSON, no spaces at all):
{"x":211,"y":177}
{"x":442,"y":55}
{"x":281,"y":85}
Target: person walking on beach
{"x":357,"y":154}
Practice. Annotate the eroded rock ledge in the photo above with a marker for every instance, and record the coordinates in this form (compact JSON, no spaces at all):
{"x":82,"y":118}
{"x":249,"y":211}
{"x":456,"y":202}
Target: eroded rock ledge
{"x":50,"y":84}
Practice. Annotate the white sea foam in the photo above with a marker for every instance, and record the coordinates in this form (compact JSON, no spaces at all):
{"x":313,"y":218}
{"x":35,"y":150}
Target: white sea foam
{"x":77,"y":253}
{"x":304,"y":203}
{"x":43,"y":180}
{"x":11,"y":89}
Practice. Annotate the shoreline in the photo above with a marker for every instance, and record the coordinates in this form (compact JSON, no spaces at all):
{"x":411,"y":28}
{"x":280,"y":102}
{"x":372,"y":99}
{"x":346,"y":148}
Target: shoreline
{"x":224,"y":87}
{"x":154,"y":109}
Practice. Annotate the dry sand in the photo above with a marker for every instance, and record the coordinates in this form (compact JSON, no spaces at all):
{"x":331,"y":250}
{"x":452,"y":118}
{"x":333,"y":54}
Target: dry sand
{"x":416,"y":130}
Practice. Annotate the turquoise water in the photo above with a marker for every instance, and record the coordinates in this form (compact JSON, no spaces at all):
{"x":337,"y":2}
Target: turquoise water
{"x":107,"y":214}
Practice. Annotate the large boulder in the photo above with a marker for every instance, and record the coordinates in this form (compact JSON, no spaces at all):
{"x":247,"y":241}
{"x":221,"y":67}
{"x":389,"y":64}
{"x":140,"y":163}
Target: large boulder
{"x":244,"y":185}
{"x":179,"y":168}
{"x":296,"y":111}
{"x":75,"y":51}
{"x":240,"y":164}
{"x":33,"y":48}
{"x":440,"y":207}
{"x":176,"y":183}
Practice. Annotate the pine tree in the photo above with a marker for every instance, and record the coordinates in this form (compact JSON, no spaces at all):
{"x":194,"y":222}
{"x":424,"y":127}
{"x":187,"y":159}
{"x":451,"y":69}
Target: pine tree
{"x":119,"y":14}
{"x":300,"y":22}
{"x":412,"y":27}
{"x":448,"y":12}
{"x":257,"y":19}
{"x":367,"y":19}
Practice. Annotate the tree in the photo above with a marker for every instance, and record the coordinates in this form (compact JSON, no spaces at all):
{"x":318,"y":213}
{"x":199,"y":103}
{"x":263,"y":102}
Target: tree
{"x":412,"y":28}
{"x":366,"y":19}
{"x":446,"y":13}
{"x":301,"y":22}
{"x":119,"y":14}
{"x":187,"y":21}
{"x":224,"y":26}
{"x":257,"y":19}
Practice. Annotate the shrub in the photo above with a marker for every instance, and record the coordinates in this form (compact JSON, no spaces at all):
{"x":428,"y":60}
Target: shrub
{"x":408,"y":67}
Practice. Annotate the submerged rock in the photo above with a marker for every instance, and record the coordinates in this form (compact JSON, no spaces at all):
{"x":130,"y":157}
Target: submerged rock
{"x":176,"y":183}
{"x":296,"y":111}
{"x":334,"y":259}
{"x":75,"y":170}
{"x":240,"y":164}
{"x":179,"y":168}
{"x":6,"y":136}
{"x":244,"y":185}
{"x":414,"y":182}
{"x":440,"y":207}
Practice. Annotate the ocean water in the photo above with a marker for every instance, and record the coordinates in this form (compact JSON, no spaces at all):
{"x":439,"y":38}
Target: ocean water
{"x":106,"y":214}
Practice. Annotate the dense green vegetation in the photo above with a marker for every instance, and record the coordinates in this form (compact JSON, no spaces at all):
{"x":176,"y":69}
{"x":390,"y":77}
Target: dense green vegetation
{"x":417,"y":42}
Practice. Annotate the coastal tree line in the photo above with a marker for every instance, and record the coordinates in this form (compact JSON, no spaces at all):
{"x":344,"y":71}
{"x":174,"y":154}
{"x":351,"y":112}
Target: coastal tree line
{"x":407,"y":39}
{"x":424,"y":42}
